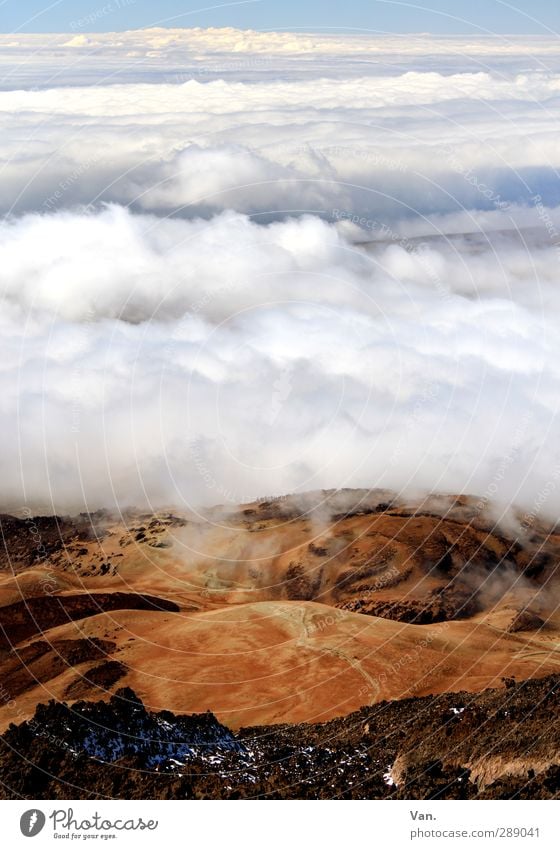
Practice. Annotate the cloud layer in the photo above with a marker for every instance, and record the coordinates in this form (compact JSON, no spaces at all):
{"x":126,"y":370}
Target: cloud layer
{"x":332,"y":273}
{"x":388,"y":141}
{"x":173,"y":361}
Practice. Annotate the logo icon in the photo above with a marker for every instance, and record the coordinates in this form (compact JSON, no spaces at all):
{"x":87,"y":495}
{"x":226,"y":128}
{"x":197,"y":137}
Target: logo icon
{"x":32,"y":822}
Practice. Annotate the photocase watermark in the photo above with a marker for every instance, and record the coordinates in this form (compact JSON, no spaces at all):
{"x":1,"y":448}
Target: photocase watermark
{"x":76,"y":377}
{"x":281,"y":391}
{"x":65,"y":824}
{"x":420,"y":250}
{"x":268,"y":410}
{"x":549,"y":225}
{"x":99,"y":13}
{"x":407,"y":659}
{"x":322,"y":622}
{"x":32,"y":822}
{"x":63,"y":819}
{"x":418,"y":415}
{"x":231,"y":66}
{"x":541,"y":499}
{"x":472,"y":179}
{"x":48,"y":583}
{"x":197,"y":453}
{"x":506,"y":461}
{"x":193,"y":310}
{"x":389,"y":578}
{"x":371,"y":157}
{"x":7,"y":700}
{"x":68,"y":182}
{"x":360,"y":220}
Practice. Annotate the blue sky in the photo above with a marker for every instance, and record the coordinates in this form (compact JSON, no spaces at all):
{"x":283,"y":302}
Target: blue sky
{"x":438,"y":16}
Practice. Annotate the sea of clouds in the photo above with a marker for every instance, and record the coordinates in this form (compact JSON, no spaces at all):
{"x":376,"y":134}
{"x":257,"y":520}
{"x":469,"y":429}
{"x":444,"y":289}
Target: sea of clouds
{"x":237,"y":265}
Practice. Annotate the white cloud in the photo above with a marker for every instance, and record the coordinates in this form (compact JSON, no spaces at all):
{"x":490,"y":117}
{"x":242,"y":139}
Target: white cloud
{"x":215,"y":361}
{"x":422,"y":141}
{"x":180,"y":324}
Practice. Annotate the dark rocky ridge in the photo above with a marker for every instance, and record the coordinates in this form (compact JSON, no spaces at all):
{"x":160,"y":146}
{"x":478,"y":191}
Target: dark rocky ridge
{"x":497,"y":744}
{"x":24,"y":618}
{"x":43,"y":660}
{"x":439,"y":561}
{"x":29,"y":541}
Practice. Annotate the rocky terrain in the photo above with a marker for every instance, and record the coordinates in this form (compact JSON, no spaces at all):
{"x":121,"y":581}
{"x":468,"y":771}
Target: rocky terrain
{"x":498,"y":744}
{"x":297,"y":610}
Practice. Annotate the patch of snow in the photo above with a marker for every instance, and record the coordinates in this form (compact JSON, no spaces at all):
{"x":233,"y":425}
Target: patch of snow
{"x":388,"y":777}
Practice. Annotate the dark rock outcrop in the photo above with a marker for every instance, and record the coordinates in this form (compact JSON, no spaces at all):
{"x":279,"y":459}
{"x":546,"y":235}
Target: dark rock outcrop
{"x":21,"y":620}
{"x":498,"y":744}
